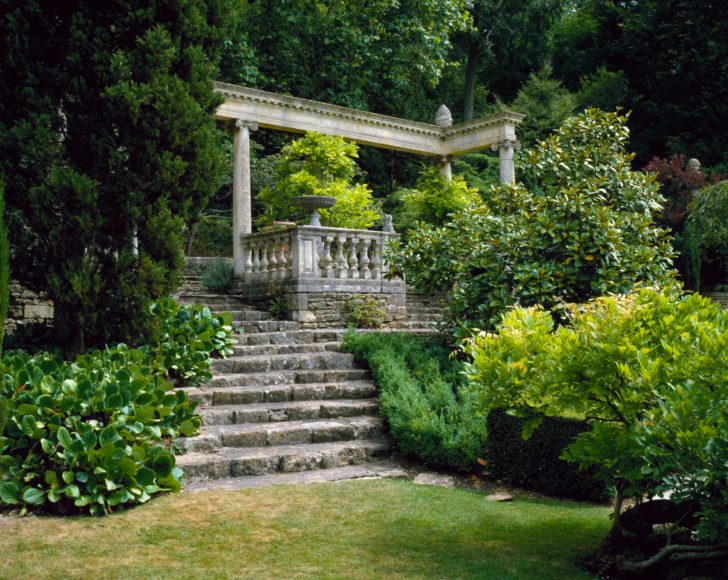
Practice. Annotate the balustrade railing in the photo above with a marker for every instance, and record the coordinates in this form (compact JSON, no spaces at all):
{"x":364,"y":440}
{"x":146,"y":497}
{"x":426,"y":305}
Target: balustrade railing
{"x":311,"y":254}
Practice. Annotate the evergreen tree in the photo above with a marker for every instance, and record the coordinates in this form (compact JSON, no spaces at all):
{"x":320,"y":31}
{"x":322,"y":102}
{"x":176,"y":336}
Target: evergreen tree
{"x":108,"y":146}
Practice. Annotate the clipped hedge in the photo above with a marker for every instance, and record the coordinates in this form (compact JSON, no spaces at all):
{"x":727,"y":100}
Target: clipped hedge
{"x":96,"y":433}
{"x":534,"y":463}
{"x":430,"y":416}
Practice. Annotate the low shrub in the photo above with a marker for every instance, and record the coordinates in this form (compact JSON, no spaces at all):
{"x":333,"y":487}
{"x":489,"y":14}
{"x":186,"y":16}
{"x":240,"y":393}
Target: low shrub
{"x":535,"y":463}
{"x":219,"y":277}
{"x":95,"y":433}
{"x":421,"y":392}
{"x":277,"y":302}
{"x":364,"y":312}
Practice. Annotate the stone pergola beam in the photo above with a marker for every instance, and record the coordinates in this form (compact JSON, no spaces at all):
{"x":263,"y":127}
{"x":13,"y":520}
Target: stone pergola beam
{"x":285,"y":113}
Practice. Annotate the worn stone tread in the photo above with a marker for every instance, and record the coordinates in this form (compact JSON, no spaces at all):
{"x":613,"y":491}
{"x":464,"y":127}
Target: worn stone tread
{"x":283,"y":377}
{"x":276,"y":412}
{"x":278,"y":393}
{"x":282,"y":362}
{"x":372,"y":470}
{"x":272,"y":434}
{"x":278,"y":349}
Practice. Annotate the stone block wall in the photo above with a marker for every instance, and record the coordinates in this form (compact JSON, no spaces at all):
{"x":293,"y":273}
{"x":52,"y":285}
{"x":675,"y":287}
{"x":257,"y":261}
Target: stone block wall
{"x":328,"y":309}
{"x":27,"y":307}
{"x":719,"y":297}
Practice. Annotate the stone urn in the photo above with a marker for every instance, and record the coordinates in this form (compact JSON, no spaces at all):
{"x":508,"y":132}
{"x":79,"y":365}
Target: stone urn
{"x":314,"y":203}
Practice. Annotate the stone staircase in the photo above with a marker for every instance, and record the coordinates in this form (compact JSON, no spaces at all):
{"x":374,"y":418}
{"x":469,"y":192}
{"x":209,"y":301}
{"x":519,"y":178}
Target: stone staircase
{"x":288,"y":406}
{"x":288,"y":401}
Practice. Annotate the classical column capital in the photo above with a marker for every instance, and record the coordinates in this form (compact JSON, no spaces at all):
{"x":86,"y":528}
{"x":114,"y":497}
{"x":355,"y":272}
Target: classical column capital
{"x":242,"y":123}
{"x":506,"y":144}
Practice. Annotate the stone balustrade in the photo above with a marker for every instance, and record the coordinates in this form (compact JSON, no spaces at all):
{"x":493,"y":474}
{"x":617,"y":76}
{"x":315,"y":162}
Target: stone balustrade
{"x":329,"y":258}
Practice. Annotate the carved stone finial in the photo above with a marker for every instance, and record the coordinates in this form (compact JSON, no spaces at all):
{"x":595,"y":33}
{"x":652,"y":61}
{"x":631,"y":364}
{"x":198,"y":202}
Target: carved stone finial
{"x":693,"y":166}
{"x":443,"y":117}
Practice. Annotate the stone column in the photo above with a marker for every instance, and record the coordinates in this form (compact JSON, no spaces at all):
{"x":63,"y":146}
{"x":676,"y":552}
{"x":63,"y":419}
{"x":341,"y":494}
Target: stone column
{"x":444,"y":163}
{"x":506,"y":149}
{"x":443,"y":119}
{"x":242,"y":213}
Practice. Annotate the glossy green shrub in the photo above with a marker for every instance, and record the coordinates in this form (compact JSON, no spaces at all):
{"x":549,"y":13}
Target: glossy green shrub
{"x":429,"y":414}
{"x":535,"y":463}
{"x":189,"y":336}
{"x":95,"y":433}
{"x":86,"y":436}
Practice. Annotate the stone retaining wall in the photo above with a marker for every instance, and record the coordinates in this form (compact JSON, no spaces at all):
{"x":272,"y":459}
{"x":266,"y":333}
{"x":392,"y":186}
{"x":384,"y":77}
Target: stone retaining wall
{"x":719,"y":297}
{"x":328,"y":309}
{"x":27,"y":307}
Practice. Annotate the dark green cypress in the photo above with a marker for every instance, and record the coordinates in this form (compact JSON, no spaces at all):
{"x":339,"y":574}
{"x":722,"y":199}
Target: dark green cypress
{"x":106,"y":135}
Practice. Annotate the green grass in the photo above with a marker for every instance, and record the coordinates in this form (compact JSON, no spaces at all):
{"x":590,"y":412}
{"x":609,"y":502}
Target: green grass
{"x":365,"y":529}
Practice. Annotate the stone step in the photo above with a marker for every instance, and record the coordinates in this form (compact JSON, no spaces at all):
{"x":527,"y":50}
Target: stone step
{"x":278,"y":393}
{"x":276,"y":349}
{"x":237,"y":462}
{"x":281,"y":362}
{"x":270,"y":434}
{"x":286,"y":377}
{"x":373,"y":470}
{"x":287,"y":411}
{"x":269,"y":326}
{"x":292,"y":337}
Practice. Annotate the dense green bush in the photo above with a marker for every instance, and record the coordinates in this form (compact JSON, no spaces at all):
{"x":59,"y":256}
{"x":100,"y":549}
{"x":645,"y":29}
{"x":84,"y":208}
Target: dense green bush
{"x":535,"y":463}
{"x":578,"y":226}
{"x":429,"y":414}
{"x":219,"y":277}
{"x":94,"y":433}
{"x":647,"y":371}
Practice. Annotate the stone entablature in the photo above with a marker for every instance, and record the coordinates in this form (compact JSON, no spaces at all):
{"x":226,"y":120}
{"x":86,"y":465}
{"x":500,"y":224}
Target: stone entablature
{"x":286,"y":113}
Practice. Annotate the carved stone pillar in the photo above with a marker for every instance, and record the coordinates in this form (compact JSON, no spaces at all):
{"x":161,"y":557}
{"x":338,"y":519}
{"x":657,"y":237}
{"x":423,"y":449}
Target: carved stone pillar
{"x":443,"y":119}
{"x":242,"y":214}
{"x":506,"y":149}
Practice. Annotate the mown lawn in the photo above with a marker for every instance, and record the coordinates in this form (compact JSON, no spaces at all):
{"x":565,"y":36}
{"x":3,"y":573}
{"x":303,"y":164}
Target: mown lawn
{"x":364,"y":529}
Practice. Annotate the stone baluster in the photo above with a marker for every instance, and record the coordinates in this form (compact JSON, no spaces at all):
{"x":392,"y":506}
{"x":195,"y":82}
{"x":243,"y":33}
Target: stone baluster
{"x":281,"y":259}
{"x":273,"y":259}
{"x":248,"y":255}
{"x":364,"y":271}
{"x":264,"y":256}
{"x":342,"y":269}
{"x":256,"y":257}
{"x":376,"y":251}
{"x":353,"y":259}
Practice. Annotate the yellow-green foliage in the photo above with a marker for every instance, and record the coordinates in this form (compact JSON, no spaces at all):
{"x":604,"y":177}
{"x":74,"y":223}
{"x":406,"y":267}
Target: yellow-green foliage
{"x":318,"y":164}
{"x":434,"y":198}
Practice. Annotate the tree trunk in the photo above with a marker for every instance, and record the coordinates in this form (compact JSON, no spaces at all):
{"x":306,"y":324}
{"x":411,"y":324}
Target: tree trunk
{"x":471,"y":70}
